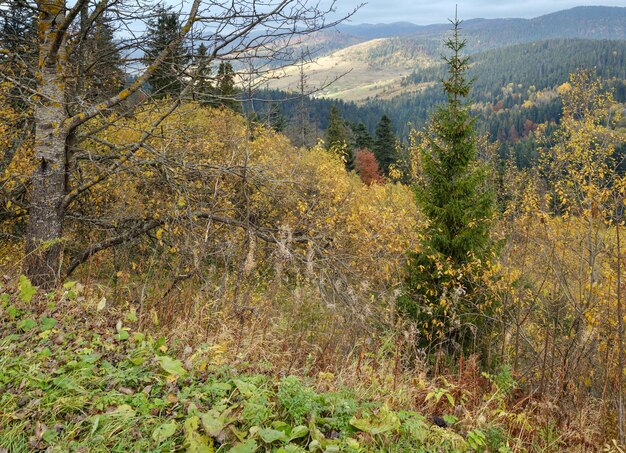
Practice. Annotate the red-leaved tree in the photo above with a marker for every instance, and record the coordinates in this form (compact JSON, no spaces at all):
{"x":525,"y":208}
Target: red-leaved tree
{"x":367,"y":167}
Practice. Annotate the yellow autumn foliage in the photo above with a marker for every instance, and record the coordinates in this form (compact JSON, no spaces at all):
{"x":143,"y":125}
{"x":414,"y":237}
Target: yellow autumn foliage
{"x":228,"y":193}
{"x":16,"y":161}
{"x":558,"y":280}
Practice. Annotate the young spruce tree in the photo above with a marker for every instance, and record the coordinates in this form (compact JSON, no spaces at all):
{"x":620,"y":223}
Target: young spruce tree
{"x":162,"y":30}
{"x":453,"y":195}
{"x":336,"y":136}
{"x":385,"y":144}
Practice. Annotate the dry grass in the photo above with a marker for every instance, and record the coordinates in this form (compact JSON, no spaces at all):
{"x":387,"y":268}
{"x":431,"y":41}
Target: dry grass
{"x":362,"y":73}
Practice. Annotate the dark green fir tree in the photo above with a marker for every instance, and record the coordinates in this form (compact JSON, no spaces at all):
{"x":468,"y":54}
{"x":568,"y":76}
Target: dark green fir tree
{"x":453,"y":194}
{"x":225,"y":90}
{"x":204,"y":91}
{"x":385,"y":144}
{"x":362,"y":138}
{"x":162,"y":30}
{"x":336,"y":136}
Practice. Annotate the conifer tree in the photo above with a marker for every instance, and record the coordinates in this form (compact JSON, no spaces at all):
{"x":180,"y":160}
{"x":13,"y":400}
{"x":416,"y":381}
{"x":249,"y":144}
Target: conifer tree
{"x":164,"y":29}
{"x":17,"y":26}
{"x":336,"y":137}
{"x":275,"y":117}
{"x":454,"y":196}
{"x":203,"y":88}
{"x":362,"y":138}
{"x":18,"y":29}
{"x":385,"y":144}
{"x":102,"y":73}
{"x":225,"y":89}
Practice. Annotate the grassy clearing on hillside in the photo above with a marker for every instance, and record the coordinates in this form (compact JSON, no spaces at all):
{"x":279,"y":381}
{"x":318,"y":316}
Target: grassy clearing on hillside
{"x":372,"y":69}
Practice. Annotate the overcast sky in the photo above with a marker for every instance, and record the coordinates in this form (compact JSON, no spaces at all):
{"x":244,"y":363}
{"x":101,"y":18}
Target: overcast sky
{"x":425,"y":12}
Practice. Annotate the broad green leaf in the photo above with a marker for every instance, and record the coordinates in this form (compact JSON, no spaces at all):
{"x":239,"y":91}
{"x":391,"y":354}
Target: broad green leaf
{"x":316,"y":434}
{"x":122,"y":335}
{"x":241,"y":435}
{"x":298,"y":432}
{"x":131,"y":316}
{"x":95,"y":423}
{"x":171,"y":366}
{"x":246,"y":389}
{"x":48,"y":324}
{"x":450,"y":419}
{"x":27,"y":290}
{"x":164,"y":431}
{"x":476,"y":439}
{"x":281,"y":426}
{"x":90,"y":358}
{"x":388,"y":419}
{"x":9,"y":339}
{"x":384,"y":421}
{"x":362,"y":424}
{"x":26,"y":324}
{"x":196,"y":442}
{"x":13,"y":312}
{"x":272,"y":435}
{"x":248,"y":446}
{"x":50,"y":435}
{"x":123,"y":411}
{"x":101,"y":304}
{"x":213,"y":423}
{"x":290,"y":448}
{"x":69,"y":285}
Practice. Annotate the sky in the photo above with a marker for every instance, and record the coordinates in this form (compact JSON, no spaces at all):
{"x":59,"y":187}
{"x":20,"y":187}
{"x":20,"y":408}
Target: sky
{"x":424,"y":12}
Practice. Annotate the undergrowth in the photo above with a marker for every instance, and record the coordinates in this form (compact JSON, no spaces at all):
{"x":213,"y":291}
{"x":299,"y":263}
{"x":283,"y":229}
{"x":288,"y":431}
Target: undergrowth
{"x":78,"y":375}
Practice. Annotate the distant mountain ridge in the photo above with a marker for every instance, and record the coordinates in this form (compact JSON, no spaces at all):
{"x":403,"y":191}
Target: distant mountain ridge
{"x":374,"y":31}
{"x":588,"y":22}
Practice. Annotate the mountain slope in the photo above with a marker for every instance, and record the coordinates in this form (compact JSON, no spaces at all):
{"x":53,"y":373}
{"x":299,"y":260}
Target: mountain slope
{"x":374,"y":68}
{"x":366,"y":70}
{"x":515,"y":87}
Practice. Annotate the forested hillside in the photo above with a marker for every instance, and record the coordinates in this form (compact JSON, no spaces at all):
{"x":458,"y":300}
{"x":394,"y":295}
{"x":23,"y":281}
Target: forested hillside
{"x":516,"y":87}
{"x":536,"y":66}
{"x":192,"y":262}
{"x":360,"y":49}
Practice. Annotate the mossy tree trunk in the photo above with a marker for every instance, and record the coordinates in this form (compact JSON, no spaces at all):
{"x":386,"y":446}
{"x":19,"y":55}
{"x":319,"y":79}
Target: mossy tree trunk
{"x":45,"y":226}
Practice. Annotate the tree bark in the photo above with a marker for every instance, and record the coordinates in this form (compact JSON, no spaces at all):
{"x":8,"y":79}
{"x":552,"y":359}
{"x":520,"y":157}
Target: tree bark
{"x":620,"y":329}
{"x":45,"y":226}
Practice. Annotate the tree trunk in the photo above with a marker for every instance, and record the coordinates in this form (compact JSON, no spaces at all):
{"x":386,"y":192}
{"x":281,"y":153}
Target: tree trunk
{"x":45,"y":225}
{"x":620,"y":330}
